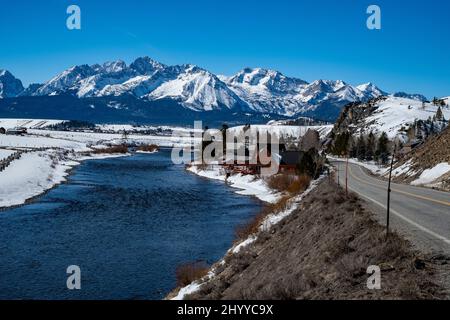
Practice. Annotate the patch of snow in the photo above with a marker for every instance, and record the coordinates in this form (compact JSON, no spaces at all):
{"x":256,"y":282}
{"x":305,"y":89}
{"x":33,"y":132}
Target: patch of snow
{"x":189,"y":289}
{"x":243,"y":244}
{"x":247,"y":184}
{"x":431,"y":175}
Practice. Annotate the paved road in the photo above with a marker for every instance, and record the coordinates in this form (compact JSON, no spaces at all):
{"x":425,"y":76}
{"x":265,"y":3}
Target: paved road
{"x":422,"y":215}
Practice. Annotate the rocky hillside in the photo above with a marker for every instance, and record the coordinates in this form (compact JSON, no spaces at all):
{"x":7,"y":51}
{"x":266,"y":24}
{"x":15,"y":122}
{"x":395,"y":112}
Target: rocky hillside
{"x":403,"y":118}
{"x":429,"y":164}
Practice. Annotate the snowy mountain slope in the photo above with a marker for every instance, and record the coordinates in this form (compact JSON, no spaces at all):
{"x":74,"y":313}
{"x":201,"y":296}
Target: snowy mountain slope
{"x":395,"y":113}
{"x":199,"y":90}
{"x":271,"y":91}
{"x":391,"y":115}
{"x":9,"y":85}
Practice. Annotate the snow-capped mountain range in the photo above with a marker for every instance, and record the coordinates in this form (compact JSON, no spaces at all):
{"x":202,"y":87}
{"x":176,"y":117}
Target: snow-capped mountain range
{"x":251,"y":89}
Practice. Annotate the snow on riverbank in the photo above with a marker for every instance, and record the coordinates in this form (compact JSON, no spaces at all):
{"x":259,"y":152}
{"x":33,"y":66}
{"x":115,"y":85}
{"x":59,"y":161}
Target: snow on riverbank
{"x":30,"y":176}
{"x":4,"y":153}
{"x":247,"y":184}
{"x":37,"y":172}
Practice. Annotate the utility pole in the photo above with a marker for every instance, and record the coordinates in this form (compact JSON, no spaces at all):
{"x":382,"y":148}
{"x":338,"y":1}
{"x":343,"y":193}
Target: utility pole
{"x":389,"y":192}
{"x":346,"y":177}
{"x":338,"y":174}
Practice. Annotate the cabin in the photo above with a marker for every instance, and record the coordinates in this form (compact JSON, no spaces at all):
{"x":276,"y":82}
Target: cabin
{"x":17,"y":131}
{"x":288,"y":153}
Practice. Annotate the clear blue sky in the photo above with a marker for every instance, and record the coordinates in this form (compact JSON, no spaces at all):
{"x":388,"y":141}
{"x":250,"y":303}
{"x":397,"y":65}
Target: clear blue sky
{"x":320,"y":39}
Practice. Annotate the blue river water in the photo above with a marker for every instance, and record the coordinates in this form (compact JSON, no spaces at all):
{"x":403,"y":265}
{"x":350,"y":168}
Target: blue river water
{"x":126,"y":222}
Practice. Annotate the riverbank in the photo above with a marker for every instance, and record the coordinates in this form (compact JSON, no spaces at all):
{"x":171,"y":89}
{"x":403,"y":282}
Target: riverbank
{"x":281,"y":205}
{"x":36,"y":173}
{"x":246,"y":184}
{"x":321,"y":250}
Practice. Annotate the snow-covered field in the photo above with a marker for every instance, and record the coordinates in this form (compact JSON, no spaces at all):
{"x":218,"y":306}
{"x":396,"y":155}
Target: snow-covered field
{"x":27,"y":123}
{"x":181,"y":140}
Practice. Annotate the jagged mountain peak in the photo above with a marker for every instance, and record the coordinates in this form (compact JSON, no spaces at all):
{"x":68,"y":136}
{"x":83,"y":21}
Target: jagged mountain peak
{"x":414,"y":96}
{"x":10,"y":86}
{"x":114,"y":66}
{"x":146,"y":65}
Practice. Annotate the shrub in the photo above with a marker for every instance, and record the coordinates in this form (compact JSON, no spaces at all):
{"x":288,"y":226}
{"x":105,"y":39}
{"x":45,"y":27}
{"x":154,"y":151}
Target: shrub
{"x":300,"y":184}
{"x":148,"y":148}
{"x":288,"y":182}
{"x":190,"y":272}
{"x":280,"y":182}
{"x":113,"y":149}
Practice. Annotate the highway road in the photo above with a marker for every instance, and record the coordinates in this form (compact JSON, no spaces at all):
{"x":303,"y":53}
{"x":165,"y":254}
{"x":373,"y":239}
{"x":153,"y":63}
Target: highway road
{"x":422,"y":215}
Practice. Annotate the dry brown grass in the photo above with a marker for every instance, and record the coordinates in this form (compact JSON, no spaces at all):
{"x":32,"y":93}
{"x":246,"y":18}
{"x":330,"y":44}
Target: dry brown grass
{"x":300,"y":184}
{"x":148,"y":148}
{"x":289,"y":182}
{"x":280,"y":182}
{"x":113,"y":149}
{"x":189,"y":272}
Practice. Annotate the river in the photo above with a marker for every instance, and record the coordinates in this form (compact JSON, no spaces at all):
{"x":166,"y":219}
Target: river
{"x":126,"y":222}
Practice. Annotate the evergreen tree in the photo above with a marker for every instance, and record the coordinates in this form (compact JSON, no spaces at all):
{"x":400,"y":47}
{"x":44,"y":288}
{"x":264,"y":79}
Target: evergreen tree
{"x":439,"y":114}
{"x":382,"y":153}
{"x":370,"y":147}
{"x":361,"y":148}
{"x":340,"y":145}
{"x":352,"y":148}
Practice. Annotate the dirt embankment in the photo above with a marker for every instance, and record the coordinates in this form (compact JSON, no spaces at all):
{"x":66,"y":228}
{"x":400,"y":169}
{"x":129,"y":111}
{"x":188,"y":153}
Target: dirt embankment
{"x":434,"y":151}
{"x":322,"y":251}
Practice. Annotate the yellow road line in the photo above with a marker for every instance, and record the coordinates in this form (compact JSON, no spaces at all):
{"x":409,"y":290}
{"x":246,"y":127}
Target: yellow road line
{"x":399,"y":191}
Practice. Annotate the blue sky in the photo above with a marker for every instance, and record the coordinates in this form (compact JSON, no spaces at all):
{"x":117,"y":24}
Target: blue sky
{"x":321,"y":39}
